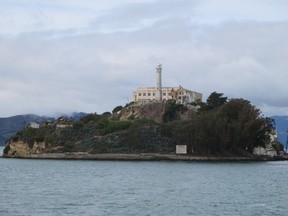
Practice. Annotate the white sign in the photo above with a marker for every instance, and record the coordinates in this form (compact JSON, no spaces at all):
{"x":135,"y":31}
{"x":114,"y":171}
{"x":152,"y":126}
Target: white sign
{"x":181,"y":149}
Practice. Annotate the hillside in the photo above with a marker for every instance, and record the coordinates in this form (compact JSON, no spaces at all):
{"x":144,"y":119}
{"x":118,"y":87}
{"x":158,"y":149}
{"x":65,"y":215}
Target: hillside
{"x":217,"y":127}
{"x":136,"y":128}
{"x":10,"y":125}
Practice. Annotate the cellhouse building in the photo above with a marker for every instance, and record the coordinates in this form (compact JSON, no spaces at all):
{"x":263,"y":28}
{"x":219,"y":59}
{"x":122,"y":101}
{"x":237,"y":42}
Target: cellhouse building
{"x":158,"y":93}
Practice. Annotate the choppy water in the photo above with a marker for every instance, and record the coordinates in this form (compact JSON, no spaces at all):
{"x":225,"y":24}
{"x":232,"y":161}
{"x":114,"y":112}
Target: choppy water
{"x":51,"y":187}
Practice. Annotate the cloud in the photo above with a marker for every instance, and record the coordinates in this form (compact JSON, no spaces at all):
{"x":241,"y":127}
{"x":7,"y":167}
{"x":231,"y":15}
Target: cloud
{"x":46,"y":15}
{"x":215,"y":12}
{"x":133,"y":17}
{"x":95,"y":66}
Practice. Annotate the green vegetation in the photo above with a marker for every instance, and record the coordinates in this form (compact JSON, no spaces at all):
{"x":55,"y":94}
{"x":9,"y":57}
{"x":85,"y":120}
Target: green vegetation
{"x":31,"y":135}
{"x":213,"y":101}
{"x":116,"y":109}
{"x":219,"y":127}
{"x":107,"y":126}
{"x":129,"y":104}
{"x":277,"y":146}
{"x":172,"y":110}
{"x":6,"y":149}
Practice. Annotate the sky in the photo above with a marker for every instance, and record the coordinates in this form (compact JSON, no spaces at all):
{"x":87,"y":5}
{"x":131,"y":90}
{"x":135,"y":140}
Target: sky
{"x":63,"y":56}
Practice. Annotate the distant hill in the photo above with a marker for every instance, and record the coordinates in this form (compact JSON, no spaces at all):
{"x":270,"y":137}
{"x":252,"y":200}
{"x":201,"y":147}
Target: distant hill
{"x":281,"y":126}
{"x":10,"y":125}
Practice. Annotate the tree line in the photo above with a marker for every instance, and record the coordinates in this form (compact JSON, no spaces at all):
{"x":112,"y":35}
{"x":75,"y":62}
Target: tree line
{"x":223,"y":126}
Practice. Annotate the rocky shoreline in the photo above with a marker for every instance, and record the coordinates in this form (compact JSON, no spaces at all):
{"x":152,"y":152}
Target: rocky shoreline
{"x":141,"y":157}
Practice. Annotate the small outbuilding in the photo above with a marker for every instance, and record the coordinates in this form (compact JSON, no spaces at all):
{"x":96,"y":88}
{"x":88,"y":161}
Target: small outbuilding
{"x":181,"y":149}
{"x":34,"y":125}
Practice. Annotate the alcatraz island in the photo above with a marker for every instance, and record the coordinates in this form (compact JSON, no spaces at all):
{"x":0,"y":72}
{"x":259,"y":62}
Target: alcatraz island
{"x":161,"y":123}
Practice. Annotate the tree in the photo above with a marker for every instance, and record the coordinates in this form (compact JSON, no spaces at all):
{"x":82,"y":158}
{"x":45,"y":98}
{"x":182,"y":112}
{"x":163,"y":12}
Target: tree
{"x":235,"y":126}
{"x":116,"y":109}
{"x":216,"y":99}
{"x":245,"y":127}
{"x":172,"y":110}
{"x":90,"y":117}
{"x":213,"y":101}
{"x":277,"y":146}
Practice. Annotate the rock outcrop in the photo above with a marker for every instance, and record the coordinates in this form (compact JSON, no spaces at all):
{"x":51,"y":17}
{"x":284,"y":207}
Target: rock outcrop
{"x":152,"y":111}
{"x":22,"y":149}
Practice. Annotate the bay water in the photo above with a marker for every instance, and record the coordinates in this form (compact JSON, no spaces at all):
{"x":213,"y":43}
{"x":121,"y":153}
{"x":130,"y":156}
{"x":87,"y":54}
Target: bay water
{"x":67,"y":187}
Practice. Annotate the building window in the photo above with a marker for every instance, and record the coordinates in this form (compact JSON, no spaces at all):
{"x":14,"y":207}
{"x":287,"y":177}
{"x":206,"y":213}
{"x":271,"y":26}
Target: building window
{"x":153,"y":94}
{"x":149,"y":94}
{"x":179,"y":98}
{"x":164,"y":93}
{"x":144,"y":94}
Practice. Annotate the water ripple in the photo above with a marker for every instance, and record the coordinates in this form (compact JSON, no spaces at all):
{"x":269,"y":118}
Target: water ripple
{"x":51,"y":187}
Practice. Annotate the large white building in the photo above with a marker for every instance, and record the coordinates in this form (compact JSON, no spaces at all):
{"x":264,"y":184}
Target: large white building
{"x":159,"y":93}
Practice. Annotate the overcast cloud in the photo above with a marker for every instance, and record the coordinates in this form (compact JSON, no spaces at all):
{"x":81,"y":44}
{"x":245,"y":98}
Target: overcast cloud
{"x":62,"y":56}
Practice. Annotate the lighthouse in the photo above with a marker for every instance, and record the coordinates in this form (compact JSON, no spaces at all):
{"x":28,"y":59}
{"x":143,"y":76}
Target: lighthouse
{"x":158,"y":95}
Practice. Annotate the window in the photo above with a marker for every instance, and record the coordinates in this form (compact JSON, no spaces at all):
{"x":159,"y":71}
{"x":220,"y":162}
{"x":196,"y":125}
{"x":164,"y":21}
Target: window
{"x":149,"y":94}
{"x":164,"y":93}
{"x":144,"y":94}
{"x":139,"y":94}
{"x":153,"y":94}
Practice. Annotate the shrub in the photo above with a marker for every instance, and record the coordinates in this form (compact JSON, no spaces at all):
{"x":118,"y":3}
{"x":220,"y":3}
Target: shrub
{"x":6,"y":149}
{"x":129,"y":104}
{"x":107,"y":126}
{"x":90,"y":117}
{"x":172,"y":110}
{"x":78,"y":125}
{"x":68,"y":146}
{"x":116,"y":109}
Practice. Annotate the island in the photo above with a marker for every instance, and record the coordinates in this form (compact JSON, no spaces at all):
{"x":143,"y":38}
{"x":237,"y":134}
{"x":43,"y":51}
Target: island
{"x":218,"y":129}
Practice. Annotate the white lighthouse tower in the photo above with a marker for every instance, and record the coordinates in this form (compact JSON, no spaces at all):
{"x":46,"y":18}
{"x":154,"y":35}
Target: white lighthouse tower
{"x":158,"y":95}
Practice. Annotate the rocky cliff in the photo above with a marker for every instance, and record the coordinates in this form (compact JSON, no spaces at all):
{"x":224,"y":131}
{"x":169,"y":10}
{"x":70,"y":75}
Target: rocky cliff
{"x":22,"y":149}
{"x":156,"y":111}
{"x":153,"y":111}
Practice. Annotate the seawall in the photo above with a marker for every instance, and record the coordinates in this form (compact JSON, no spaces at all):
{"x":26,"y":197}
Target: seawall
{"x":139,"y":157}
